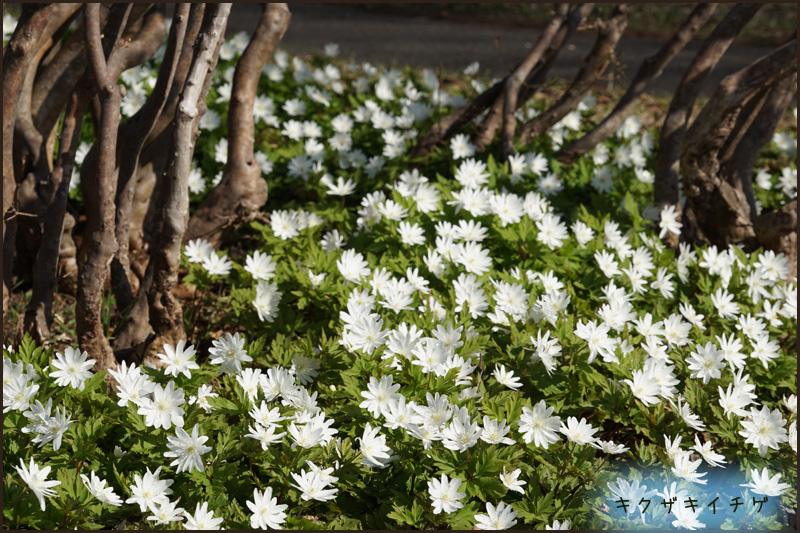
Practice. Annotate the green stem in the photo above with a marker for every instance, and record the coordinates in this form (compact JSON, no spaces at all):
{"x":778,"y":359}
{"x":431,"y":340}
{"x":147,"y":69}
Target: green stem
{"x":19,"y":497}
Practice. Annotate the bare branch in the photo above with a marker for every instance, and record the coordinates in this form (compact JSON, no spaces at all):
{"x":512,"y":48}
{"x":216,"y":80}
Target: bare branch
{"x":649,"y":70}
{"x":514,"y":82}
{"x":667,"y":164}
{"x":133,"y":134}
{"x":91,"y":336}
{"x":493,"y":119}
{"x":38,"y":313}
{"x":608,"y":35}
{"x":242,"y":190}
{"x":17,"y":56}
{"x":165,"y":310}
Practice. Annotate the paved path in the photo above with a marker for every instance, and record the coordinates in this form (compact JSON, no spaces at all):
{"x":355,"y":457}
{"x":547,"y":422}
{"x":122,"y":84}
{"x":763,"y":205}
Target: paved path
{"x":420,"y":42}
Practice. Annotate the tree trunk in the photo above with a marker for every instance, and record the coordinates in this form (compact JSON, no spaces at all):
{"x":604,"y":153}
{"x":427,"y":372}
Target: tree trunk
{"x":667,"y":163}
{"x":242,"y":191}
{"x":720,"y":211}
{"x":608,"y":35}
{"x":91,"y":336}
{"x":738,"y":163}
{"x":514,"y":82}
{"x":491,"y":123}
{"x":649,"y":70}
{"x":17,"y":56}
{"x":166,"y":317}
{"x":38,"y":313}
{"x":133,"y":133}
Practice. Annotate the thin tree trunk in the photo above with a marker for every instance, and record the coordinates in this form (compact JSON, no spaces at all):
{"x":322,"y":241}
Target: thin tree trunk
{"x":737,"y":164}
{"x":777,"y":230}
{"x":491,"y":123}
{"x":38,"y":313}
{"x":242,"y":191}
{"x":720,"y":210}
{"x":134,"y":132}
{"x":667,"y":163}
{"x":514,"y":82}
{"x":650,"y":69}
{"x":91,"y":336}
{"x":166,"y":317}
{"x":447,"y":126}
{"x":17,"y":55}
{"x":609,"y":34}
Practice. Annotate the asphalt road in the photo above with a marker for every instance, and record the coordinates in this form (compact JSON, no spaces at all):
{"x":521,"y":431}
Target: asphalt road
{"x":398,"y":40}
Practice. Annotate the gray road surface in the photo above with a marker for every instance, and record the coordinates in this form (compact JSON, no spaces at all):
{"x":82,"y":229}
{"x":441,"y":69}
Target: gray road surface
{"x":398,"y":40}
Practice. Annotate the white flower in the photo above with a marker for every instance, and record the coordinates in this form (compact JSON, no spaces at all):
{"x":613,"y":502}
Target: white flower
{"x":36,"y":479}
{"x":764,"y":429}
{"x":579,"y":432}
{"x":472,"y":173}
{"x":98,"y":488}
{"x":203,"y":519}
{"x":260,"y":266}
{"x":461,"y":147}
{"x":229,"y":352}
{"x":352,"y":266}
{"x":644,"y":387}
{"x":198,"y":250}
{"x":313,"y":484}
{"x":685,"y":468}
{"x":149,"y":490}
{"x":764,"y":484}
{"x":374,"y":451}
{"x":506,"y":377}
{"x":511,"y":480}
{"x":669,"y":221}
{"x":267,"y":299}
{"x":217,"y":265}
{"x":196,"y":182}
{"x":538,"y":426}
{"x":707,"y":362}
{"x":187,"y":449}
{"x":495,"y":432}
{"x":411,"y":234}
{"x":73,"y":368}
{"x":705,"y":451}
{"x":164,"y":409}
{"x":340,"y":188}
{"x":179,"y":359}
{"x":267,"y":513}
{"x":556,"y":525}
{"x":444,"y":494}
{"x":609,"y":447}
{"x":500,"y":517}
{"x":379,"y":394}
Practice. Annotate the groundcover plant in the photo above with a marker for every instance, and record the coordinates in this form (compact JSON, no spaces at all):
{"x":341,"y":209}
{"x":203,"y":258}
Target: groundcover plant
{"x":463,"y":342}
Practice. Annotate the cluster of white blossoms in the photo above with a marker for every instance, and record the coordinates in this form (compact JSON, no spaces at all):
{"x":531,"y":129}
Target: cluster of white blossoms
{"x":605,"y":296}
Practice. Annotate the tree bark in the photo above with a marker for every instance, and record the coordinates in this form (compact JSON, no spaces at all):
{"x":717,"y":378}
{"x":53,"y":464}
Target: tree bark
{"x":650,"y":69}
{"x":38,"y":313}
{"x":608,"y":35}
{"x":133,"y":133}
{"x":737,"y":165}
{"x":17,"y":56}
{"x":491,"y":123}
{"x":91,"y":336}
{"x":517,"y":78}
{"x":668,"y":154}
{"x":166,"y":317}
{"x":242,"y":191}
{"x":720,"y":210}
{"x":777,"y":230}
